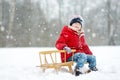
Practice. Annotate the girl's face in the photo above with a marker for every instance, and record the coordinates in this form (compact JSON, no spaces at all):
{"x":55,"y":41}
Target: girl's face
{"x":77,"y":26}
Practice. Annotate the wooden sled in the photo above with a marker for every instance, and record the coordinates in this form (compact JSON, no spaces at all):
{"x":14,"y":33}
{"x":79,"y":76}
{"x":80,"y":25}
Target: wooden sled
{"x":49,"y":59}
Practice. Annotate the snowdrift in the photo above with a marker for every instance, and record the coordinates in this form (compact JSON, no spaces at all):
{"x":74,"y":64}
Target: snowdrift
{"x":20,"y":64}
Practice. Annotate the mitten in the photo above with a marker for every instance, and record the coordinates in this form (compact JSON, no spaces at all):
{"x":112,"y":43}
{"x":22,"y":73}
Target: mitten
{"x":67,"y":49}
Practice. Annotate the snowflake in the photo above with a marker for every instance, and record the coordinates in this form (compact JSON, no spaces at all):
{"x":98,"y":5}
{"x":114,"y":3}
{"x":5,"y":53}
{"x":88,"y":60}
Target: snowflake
{"x":11,"y":37}
{"x":115,"y":35}
{"x":45,"y":28}
{"x":38,"y":25}
{"x":42,"y":31}
{"x":20,"y":24}
{"x":38,"y":39}
{"x":29,"y":29}
{"x":54,"y":25}
{"x":29,"y":16}
{"x":7,"y":37}
{"x":88,"y":30}
{"x":2,"y":28}
{"x":15,"y":40}
{"x":102,"y":10}
{"x":17,"y":18}
{"x":43,"y":23}
{"x":56,"y":32}
{"x":51,"y":35}
{"x":93,"y":35}
{"x":29,"y":43}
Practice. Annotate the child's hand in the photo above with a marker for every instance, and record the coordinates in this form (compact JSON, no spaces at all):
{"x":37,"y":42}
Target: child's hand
{"x":67,"y":49}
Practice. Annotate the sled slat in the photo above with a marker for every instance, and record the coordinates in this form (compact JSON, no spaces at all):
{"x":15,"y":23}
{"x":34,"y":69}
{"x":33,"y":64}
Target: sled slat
{"x":52,"y":58}
{"x":40,"y":59}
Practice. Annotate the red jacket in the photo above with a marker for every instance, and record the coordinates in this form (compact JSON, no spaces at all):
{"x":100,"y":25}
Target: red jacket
{"x":70,"y":38}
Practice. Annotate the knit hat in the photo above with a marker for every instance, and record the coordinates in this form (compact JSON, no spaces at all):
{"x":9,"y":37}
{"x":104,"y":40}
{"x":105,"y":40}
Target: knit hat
{"x":77,"y":19}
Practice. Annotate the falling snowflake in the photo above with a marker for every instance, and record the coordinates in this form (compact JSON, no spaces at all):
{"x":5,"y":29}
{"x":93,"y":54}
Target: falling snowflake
{"x":38,"y":39}
{"x":29,"y":43}
{"x":11,"y":37}
{"x":29,"y":16}
{"x":29,"y":29}
{"x":38,"y":25}
{"x":88,"y":30}
{"x":42,"y":31}
{"x":7,"y":37}
{"x":115,"y":35}
{"x":102,"y":10}
{"x":56,"y":32}
{"x":15,"y":40}
{"x":2,"y":28}
{"x":45,"y":28}
{"x":51,"y":35}
{"x":17,"y":18}
{"x":54,"y":25}
{"x":43,"y":23}
{"x":20,"y":24}
{"x":93,"y":35}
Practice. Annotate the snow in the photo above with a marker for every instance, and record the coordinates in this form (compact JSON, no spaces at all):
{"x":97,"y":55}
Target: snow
{"x":20,"y":64}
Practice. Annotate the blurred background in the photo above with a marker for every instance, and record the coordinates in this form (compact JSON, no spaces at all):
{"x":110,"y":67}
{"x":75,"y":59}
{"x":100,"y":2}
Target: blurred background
{"x":37,"y":23}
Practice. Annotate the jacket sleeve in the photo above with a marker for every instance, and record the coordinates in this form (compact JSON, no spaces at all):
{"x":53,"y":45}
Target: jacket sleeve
{"x":61,"y":42}
{"x":86,"y":47}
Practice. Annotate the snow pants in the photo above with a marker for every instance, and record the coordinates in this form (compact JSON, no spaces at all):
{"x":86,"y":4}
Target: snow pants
{"x":82,"y":58}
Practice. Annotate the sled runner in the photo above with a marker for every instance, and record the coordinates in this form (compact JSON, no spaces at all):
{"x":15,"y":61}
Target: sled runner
{"x":49,"y":59}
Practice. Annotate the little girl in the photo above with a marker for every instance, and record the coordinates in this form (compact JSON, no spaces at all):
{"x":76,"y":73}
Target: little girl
{"x":72,"y":37}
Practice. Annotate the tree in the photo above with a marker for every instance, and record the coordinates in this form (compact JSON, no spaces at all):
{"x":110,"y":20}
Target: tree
{"x":111,"y":29}
{"x":0,"y":12}
{"x":11,"y":15}
{"x":1,"y":33}
{"x":11,"y":20}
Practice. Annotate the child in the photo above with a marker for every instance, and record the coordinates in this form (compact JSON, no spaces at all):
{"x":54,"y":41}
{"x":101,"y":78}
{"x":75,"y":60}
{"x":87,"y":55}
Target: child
{"x":72,"y":37}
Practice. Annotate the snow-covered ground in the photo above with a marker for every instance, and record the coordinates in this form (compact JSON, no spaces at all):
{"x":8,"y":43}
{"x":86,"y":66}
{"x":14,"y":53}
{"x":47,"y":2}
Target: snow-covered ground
{"x":20,"y":64}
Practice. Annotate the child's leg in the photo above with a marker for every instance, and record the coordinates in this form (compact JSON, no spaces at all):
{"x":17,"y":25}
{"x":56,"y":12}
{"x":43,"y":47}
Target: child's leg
{"x":80,"y":59}
{"x":91,"y":59}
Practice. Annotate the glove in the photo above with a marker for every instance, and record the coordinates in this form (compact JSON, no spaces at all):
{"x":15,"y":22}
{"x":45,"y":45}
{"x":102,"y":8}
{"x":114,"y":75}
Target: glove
{"x":67,"y":49}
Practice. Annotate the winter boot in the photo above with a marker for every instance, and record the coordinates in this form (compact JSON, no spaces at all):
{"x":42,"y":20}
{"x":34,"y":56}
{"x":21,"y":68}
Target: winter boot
{"x":94,"y":69}
{"x":77,"y":71}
